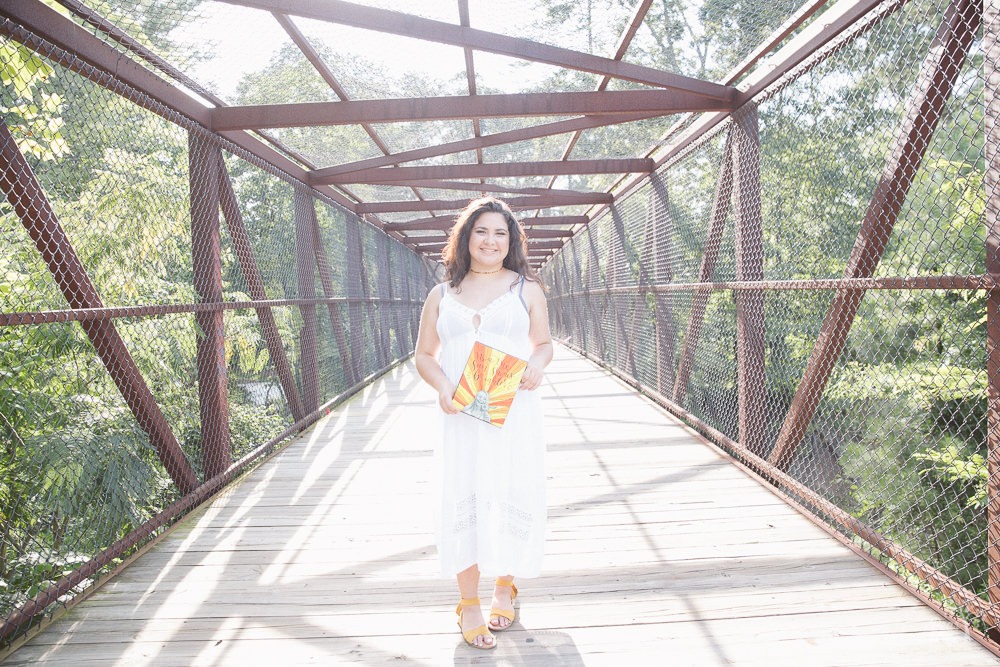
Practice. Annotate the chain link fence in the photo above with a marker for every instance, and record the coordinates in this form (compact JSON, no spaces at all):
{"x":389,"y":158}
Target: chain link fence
{"x":809,"y":286}
{"x":171,"y":310}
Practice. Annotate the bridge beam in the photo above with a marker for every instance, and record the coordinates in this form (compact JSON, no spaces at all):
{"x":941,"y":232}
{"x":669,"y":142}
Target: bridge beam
{"x":411,"y":175}
{"x":333,"y":310}
{"x":991,"y":50}
{"x":321,"y":176}
{"x":659,"y":244}
{"x":204,"y":162}
{"x":515,"y":203}
{"x":699,"y":301}
{"x":749,"y":267}
{"x":305,"y":261}
{"x":312,"y":114}
{"x":255,"y":286}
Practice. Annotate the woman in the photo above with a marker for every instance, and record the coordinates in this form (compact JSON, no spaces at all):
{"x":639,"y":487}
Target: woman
{"x":493,"y":492}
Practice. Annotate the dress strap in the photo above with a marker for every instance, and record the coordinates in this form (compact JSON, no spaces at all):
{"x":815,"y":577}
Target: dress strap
{"x":520,"y":294}
{"x":443,"y":289}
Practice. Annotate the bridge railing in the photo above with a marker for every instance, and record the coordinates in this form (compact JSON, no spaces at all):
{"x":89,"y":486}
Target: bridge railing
{"x":172,"y":309}
{"x":811,"y":284}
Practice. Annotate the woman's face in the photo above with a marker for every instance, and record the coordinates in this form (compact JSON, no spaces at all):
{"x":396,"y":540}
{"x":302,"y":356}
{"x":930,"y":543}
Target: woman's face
{"x":489,"y":241}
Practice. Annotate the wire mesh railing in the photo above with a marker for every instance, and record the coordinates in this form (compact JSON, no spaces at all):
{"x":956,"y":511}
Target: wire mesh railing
{"x":812,"y":287}
{"x":172,"y":309}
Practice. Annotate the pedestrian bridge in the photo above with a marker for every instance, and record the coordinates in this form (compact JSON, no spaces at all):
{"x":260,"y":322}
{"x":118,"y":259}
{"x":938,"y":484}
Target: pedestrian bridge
{"x":769,"y":231}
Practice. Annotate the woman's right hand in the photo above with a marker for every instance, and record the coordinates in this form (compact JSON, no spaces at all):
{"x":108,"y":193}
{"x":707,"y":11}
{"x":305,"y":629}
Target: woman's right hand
{"x":444,"y":400}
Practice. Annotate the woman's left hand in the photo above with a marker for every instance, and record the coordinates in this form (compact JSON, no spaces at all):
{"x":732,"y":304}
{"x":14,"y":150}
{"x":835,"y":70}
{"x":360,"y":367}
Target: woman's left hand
{"x":445,"y":400}
{"x":532,"y":377}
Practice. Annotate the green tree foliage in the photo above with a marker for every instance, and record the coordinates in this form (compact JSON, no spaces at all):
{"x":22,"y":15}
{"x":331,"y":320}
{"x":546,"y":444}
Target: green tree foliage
{"x":33,"y":115}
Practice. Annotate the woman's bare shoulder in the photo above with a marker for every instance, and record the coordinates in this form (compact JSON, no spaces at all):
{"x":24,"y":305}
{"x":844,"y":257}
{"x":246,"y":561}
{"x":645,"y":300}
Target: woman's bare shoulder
{"x":533,"y":289}
{"x":435,"y":293}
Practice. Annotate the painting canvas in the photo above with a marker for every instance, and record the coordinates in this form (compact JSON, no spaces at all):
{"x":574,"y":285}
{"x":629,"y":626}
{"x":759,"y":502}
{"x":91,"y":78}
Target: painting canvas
{"x":488,"y":384}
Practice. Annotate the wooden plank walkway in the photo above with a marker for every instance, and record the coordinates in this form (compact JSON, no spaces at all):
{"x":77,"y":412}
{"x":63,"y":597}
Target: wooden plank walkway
{"x":659,"y":552}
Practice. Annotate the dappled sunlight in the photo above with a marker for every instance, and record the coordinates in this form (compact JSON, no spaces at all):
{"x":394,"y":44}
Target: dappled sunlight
{"x":316,"y":437}
{"x":374,"y":400}
{"x":304,"y":534}
{"x":322,"y":459}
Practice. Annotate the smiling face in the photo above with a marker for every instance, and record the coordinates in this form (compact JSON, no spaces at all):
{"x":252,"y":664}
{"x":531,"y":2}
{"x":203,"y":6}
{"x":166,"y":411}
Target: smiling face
{"x":489,"y":241}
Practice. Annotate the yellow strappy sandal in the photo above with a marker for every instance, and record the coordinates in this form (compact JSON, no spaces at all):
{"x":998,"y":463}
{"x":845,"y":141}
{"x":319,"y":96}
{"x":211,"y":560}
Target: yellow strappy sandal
{"x":470,"y":635}
{"x":506,"y":613}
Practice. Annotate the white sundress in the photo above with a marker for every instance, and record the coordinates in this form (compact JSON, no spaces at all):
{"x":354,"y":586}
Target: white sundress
{"x":492,"y":479}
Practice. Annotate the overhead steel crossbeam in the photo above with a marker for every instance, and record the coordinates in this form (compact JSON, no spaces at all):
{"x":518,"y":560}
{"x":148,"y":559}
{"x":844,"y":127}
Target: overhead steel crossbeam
{"x":310,"y":114}
{"x":535,"y":235}
{"x":684,"y":94}
{"x":408,"y":25}
{"x":516,"y":203}
{"x":446,"y":223}
{"x":322,"y":176}
{"x":406,"y":175}
{"x":439,"y":244}
{"x":603,"y":197}
{"x":541,"y":241}
{"x":554,"y":220}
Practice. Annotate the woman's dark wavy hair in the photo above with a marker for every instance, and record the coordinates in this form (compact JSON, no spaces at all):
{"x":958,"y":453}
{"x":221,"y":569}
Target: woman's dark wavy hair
{"x":456,"y":257}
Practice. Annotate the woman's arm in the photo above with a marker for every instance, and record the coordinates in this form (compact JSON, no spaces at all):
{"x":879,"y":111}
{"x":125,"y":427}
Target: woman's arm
{"x":428,"y":344}
{"x":538,"y":334}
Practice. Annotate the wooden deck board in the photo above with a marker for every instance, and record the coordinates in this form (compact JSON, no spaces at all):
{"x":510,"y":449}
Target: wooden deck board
{"x":658,"y":552}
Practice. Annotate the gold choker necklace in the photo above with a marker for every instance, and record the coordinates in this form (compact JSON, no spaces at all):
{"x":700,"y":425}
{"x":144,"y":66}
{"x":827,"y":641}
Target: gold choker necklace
{"x":486,"y":273}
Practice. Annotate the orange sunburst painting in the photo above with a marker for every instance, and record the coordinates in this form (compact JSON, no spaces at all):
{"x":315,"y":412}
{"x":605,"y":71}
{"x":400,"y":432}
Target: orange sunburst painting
{"x":488,"y":384}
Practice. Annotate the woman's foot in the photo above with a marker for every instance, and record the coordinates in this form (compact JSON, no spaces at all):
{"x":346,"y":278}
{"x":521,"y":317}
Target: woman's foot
{"x":473,"y":625}
{"x":502,"y":607}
